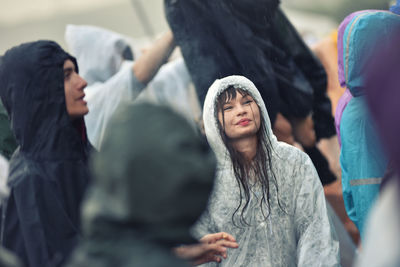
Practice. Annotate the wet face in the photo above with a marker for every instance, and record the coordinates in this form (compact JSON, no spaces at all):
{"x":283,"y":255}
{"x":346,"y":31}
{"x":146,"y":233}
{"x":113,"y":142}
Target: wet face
{"x":239,"y":117}
{"x":73,"y":87}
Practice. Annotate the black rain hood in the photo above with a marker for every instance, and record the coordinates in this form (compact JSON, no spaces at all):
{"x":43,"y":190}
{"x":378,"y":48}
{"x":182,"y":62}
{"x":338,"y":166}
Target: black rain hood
{"x":48,"y":173}
{"x":152,"y":181}
{"x":32,"y":91}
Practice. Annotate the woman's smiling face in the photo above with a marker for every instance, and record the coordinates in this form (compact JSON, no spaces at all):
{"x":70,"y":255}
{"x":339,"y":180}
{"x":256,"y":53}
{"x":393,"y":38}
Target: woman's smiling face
{"x":239,"y":116}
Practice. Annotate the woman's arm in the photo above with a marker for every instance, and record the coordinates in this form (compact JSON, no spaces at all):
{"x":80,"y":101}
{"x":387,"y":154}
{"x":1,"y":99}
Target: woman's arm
{"x":212,"y":247}
{"x":148,"y":64}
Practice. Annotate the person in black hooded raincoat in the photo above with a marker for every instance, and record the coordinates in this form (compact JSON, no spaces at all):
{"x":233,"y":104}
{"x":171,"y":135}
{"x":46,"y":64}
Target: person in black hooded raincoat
{"x":254,"y":38}
{"x":43,"y":95}
{"x":152,"y":181}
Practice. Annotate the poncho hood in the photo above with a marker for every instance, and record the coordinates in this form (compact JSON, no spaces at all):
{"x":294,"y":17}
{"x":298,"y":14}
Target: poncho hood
{"x":98,"y":51}
{"x":341,"y":30}
{"x":297,"y":227}
{"x":361,"y":39}
{"x":32,"y":91}
{"x":153,"y":177}
{"x":210,"y":111}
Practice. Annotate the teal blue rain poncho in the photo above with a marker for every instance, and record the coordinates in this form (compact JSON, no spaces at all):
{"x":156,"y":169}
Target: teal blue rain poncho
{"x":362,"y":160}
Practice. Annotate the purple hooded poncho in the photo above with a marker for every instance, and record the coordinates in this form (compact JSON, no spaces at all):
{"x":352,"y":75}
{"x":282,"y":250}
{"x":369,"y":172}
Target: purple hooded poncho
{"x":346,"y":97}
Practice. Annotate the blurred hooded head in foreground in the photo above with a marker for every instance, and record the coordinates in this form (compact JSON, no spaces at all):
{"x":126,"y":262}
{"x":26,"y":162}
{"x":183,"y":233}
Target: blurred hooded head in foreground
{"x":153,"y":179}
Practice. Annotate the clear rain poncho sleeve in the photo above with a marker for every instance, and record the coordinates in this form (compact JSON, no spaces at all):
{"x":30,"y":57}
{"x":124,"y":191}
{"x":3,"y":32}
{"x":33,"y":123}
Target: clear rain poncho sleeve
{"x":170,"y":87}
{"x":110,"y":78}
{"x":297,"y":230}
{"x":104,"y":98}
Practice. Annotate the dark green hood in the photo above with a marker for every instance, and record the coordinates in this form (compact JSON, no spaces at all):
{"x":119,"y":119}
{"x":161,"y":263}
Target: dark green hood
{"x":152,"y":182}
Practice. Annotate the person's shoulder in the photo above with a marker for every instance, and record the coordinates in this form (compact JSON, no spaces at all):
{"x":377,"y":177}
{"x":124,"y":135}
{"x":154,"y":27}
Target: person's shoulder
{"x":23,"y":169}
{"x":290,"y":165}
{"x":289,"y":153}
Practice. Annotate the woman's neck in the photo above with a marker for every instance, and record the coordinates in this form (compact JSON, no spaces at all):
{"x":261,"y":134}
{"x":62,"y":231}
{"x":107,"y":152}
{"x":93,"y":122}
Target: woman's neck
{"x":246,"y":146}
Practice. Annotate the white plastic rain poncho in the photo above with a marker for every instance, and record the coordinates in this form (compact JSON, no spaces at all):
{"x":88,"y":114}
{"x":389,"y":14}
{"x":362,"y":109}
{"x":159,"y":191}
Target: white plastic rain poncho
{"x":301,"y":235}
{"x":111,"y":81}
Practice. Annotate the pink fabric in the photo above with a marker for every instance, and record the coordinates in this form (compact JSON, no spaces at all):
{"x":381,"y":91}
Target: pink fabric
{"x":341,"y":30}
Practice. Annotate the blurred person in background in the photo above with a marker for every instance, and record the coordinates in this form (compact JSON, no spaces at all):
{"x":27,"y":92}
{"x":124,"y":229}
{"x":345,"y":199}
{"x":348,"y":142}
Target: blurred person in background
{"x":255,"y":39}
{"x":382,"y":245}
{"x":327,"y":51}
{"x":362,"y":159}
{"x":118,"y":74}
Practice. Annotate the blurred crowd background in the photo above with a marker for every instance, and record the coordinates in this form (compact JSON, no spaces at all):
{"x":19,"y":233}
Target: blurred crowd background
{"x":25,"y":20}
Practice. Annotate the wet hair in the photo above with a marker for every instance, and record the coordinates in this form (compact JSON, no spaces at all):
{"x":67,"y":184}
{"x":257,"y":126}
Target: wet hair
{"x":259,"y":167}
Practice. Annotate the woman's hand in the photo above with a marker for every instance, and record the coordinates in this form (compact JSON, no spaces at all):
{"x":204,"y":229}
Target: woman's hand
{"x":212,"y":247}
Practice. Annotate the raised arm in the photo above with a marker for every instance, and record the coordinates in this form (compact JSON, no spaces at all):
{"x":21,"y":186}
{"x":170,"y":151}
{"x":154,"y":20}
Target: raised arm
{"x":147,"y":65}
